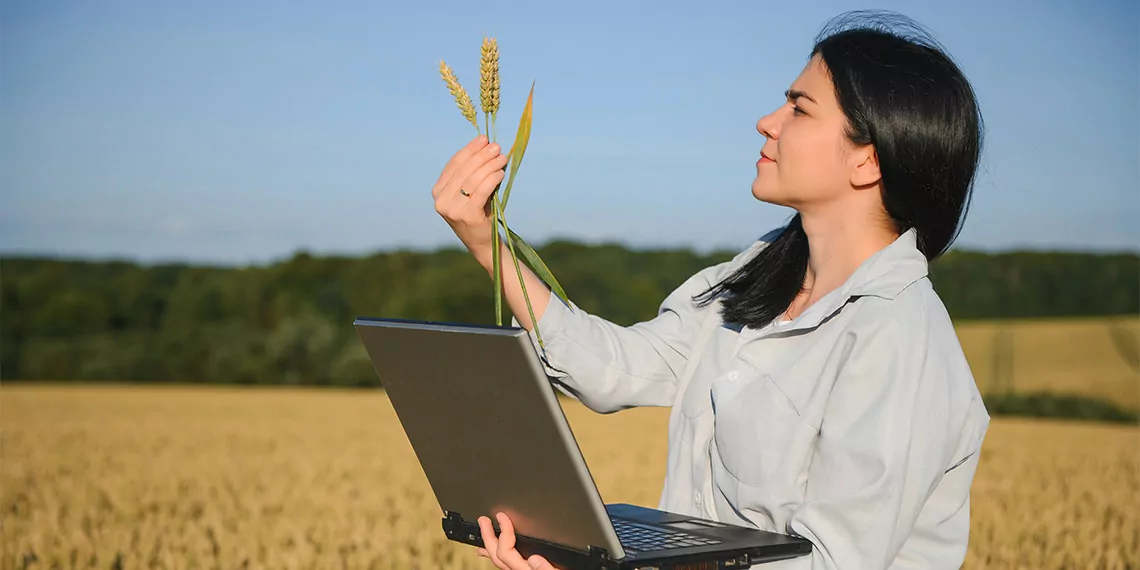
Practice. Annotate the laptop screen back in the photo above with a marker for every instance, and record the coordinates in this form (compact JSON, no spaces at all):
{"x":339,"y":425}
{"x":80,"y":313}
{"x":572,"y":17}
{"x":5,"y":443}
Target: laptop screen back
{"x":486,"y":426}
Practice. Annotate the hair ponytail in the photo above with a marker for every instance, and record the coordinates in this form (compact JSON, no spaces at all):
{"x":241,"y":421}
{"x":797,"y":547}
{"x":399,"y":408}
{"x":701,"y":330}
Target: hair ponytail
{"x":764,"y":287}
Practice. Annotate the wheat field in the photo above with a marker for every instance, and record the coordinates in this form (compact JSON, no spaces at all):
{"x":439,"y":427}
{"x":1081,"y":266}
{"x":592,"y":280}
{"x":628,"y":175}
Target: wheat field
{"x":166,"y":477}
{"x":1095,"y":356}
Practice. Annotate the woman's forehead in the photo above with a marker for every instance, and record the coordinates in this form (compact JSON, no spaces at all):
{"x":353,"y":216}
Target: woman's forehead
{"x":814,"y":82}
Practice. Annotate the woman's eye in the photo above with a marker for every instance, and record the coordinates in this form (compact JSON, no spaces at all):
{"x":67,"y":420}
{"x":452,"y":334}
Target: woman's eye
{"x":798,"y":111}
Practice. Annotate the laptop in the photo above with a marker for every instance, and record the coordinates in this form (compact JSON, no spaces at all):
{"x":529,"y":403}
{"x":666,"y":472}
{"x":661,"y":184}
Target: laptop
{"x":486,"y":426}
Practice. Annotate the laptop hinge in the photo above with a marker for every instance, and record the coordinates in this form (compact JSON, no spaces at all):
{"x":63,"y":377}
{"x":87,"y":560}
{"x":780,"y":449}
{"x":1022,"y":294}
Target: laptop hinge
{"x":457,"y":529}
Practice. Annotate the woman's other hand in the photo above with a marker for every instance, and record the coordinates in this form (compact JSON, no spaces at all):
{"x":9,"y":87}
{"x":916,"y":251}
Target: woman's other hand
{"x":502,"y":551}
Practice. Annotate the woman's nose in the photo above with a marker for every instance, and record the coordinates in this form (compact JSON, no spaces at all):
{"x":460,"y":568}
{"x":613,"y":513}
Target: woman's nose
{"x":769,"y":125}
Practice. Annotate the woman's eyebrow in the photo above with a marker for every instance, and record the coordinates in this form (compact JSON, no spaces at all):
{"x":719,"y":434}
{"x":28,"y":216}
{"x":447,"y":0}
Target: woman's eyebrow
{"x":793,"y":94}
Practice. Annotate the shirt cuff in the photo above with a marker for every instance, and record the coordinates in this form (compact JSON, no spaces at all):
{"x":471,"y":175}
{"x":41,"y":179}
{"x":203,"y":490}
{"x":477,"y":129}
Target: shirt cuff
{"x":549,"y":326}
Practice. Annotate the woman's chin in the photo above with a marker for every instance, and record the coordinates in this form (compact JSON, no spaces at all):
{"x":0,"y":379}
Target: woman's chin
{"x":765,"y":194}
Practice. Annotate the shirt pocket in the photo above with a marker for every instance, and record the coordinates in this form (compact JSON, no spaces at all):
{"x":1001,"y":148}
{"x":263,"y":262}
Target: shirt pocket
{"x":756,"y":426}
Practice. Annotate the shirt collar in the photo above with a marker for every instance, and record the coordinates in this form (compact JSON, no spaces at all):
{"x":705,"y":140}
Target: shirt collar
{"x":885,"y":274}
{"x":891,"y":269}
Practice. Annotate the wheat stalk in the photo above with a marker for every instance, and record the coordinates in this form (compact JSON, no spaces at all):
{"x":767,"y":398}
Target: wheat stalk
{"x":489,"y":100}
{"x":461,"y":98}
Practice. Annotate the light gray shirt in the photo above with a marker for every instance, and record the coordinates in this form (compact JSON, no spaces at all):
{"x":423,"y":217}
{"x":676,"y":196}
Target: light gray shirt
{"x":856,"y":425}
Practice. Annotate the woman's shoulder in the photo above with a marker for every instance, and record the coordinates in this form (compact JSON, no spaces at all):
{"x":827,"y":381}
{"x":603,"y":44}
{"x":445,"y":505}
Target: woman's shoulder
{"x":917,"y":307}
{"x":916,"y":315}
{"x":915,"y":327}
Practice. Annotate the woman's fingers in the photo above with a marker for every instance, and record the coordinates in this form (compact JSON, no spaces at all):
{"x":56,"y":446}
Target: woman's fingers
{"x":479,"y":184}
{"x":507,"y":552}
{"x":495,"y":166}
{"x":501,"y":550}
{"x":456,"y":160}
{"x":473,"y":163}
{"x":490,"y":543}
{"x":481,"y":192}
{"x":539,"y":563}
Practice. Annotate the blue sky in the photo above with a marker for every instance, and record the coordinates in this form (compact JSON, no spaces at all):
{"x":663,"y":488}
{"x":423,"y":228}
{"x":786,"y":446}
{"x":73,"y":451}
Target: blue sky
{"x":234,"y":132}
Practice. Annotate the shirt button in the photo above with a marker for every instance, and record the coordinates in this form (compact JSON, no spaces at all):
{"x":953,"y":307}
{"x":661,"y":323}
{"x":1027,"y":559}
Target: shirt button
{"x":732,"y":375}
{"x":697,"y":498}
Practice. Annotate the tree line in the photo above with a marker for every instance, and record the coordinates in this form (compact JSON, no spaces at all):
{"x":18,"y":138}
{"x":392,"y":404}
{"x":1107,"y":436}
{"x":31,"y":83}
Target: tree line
{"x":290,"y":322}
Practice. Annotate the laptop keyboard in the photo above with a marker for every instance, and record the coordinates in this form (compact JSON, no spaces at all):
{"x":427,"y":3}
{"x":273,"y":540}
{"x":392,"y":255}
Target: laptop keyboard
{"x":636,"y":537}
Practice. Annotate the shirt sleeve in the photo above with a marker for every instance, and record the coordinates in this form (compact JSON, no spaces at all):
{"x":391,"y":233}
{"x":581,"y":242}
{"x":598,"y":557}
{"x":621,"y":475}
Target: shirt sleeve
{"x":609,"y":367}
{"x":888,"y":435}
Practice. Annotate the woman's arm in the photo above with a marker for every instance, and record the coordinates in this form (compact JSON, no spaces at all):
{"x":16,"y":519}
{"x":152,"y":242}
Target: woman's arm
{"x":512,"y":292}
{"x":609,"y":367}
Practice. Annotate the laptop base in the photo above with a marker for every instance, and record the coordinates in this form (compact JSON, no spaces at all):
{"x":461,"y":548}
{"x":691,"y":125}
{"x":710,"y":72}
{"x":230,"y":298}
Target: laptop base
{"x":460,"y":530}
{"x":468,"y":532}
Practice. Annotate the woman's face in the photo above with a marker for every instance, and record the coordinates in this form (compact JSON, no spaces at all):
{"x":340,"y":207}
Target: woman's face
{"x":808,"y":159}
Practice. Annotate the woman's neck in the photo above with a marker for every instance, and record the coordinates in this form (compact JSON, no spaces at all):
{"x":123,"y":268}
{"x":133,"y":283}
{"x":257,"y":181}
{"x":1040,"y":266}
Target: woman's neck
{"x":837,"y":246}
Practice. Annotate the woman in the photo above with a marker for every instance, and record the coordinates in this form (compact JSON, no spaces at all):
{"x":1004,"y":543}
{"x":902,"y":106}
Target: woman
{"x":816,"y":382}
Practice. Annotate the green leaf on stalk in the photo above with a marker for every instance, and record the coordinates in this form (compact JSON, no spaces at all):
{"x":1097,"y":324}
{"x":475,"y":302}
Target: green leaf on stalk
{"x":522,"y":282}
{"x":531,"y":258}
{"x":519,"y":146}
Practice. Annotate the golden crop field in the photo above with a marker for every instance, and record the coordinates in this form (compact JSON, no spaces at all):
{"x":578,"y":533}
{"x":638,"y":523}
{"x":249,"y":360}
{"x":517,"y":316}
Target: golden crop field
{"x":164,"y":477}
{"x":1097,"y":357}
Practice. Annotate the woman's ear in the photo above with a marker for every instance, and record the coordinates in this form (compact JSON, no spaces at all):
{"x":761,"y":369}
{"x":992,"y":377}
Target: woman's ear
{"x":865,"y":167}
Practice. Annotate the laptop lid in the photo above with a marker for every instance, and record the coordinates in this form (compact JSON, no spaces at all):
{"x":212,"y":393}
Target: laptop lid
{"x":486,"y":426}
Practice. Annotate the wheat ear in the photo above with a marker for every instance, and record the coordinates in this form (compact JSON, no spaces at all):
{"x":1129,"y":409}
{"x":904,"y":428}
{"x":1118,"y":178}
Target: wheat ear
{"x":489,"y":79}
{"x":460,"y":94}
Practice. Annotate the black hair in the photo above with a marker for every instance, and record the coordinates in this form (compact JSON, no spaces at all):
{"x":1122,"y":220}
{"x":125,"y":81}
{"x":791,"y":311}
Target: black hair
{"x":904,"y":95}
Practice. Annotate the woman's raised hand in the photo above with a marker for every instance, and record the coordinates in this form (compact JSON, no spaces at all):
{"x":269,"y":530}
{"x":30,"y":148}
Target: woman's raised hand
{"x":462,"y":191}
